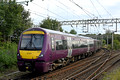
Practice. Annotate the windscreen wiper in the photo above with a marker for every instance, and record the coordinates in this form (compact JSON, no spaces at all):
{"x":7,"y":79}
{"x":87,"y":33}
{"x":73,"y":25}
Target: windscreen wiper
{"x":28,"y":44}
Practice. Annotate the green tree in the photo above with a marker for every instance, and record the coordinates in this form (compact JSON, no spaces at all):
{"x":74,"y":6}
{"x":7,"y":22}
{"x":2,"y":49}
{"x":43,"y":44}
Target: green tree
{"x":66,"y":32}
{"x":51,"y":24}
{"x":73,"y":31}
{"x":13,"y":19}
{"x":108,"y":36}
{"x":1,"y":36}
{"x":103,"y":42}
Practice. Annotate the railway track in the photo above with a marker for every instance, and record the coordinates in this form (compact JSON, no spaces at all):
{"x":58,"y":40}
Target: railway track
{"x":82,"y":72}
{"x":10,"y":74}
{"x":89,"y":69}
{"x":93,"y":72}
{"x":93,"y":76}
{"x":76,"y":65}
{"x":86,"y":69}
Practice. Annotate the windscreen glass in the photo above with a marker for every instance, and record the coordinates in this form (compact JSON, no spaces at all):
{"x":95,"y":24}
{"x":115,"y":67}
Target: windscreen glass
{"x":32,"y":42}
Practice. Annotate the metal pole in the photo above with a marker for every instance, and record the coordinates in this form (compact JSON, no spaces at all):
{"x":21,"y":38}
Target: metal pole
{"x":107,"y":39}
{"x":112,"y":39}
{"x":102,"y":39}
{"x":116,"y":25}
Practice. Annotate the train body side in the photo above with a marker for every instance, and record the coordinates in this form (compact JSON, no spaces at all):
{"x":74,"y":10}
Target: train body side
{"x":56,"y":47}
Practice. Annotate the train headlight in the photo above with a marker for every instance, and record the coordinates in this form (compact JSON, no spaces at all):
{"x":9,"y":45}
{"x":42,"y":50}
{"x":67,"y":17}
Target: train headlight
{"x":18,"y":55}
{"x":41,"y":55}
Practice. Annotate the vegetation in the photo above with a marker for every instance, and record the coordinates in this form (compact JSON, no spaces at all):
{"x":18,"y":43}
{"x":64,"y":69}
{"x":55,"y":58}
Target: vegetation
{"x":113,"y":76}
{"x":51,"y":24}
{"x":107,"y":39}
{"x":73,"y":31}
{"x":66,"y":32}
{"x":13,"y":20}
{"x":8,"y":56}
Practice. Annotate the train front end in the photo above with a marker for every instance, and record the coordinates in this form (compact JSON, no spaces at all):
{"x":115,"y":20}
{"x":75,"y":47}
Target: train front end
{"x":30,"y":51}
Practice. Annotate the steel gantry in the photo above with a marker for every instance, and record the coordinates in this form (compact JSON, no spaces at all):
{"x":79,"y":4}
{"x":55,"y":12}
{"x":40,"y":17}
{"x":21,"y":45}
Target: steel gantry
{"x":91,"y":21}
{"x":95,"y":22}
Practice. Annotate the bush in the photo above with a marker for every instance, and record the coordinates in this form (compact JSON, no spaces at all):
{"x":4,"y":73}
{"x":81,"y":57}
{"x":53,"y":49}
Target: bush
{"x":8,"y":55}
{"x":116,"y":44}
{"x":103,"y":42}
{"x":109,"y":46}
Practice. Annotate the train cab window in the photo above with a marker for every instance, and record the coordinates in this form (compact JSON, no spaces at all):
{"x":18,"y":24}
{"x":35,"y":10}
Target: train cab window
{"x":52,"y":44}
{"x":32,"y":42}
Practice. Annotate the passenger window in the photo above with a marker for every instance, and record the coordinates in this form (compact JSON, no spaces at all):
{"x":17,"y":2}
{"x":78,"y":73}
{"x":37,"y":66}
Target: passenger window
{"x":61,"y":44}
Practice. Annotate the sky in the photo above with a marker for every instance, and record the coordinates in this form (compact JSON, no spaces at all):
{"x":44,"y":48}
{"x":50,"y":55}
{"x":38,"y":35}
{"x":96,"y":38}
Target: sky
{"x":66,"y":10}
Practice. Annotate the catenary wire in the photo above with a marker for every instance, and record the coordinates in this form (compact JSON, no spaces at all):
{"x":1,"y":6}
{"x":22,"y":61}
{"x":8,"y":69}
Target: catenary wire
{"x":35,"y":12}
{"x":49,"y":11}
{"x":69,"y":8}
{"x":104,"y":8}
{"x":83,"y":9}
{"x":95,"y":9}
{"x":67,"y":11}
{"x":38,"y":14}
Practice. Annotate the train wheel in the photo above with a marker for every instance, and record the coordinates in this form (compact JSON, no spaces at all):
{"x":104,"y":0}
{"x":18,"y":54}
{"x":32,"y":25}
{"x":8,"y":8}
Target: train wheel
{"x":64,"y":63}
{"x":76,"y":58}
{"x":68,"y":61}
{"x":53,"y":67}
{"x":73,"y":59}
{"x":86,"y":54}
{"x":83,"y":56}
{"x":91,"y":53}
{"x":79,"y":57}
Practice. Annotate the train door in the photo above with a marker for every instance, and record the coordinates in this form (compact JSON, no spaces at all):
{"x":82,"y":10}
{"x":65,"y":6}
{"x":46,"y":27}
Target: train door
{"x":69,"y":44}
{"x":53,"y":48}
{"x":95,"y":48}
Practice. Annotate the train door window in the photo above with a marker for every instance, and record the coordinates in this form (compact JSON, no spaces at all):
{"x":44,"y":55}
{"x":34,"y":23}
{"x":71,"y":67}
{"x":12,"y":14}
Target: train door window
{"x":52,"y":44}
{"x":65,"y":44}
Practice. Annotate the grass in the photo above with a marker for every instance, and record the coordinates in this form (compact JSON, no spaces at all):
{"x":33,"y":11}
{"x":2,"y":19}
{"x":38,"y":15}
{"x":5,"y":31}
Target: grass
{"x":113,"y":76}
{"x":8,"y":70}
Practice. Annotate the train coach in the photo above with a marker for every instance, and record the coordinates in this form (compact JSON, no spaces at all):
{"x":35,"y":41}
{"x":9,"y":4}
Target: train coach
{"x":43,"y":50}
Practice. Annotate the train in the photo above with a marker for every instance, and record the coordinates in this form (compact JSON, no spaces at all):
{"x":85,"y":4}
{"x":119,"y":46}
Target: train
{"x":44,"y":50}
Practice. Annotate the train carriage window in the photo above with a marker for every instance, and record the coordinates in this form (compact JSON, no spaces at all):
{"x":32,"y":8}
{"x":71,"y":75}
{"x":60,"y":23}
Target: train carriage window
{"x":91,"y":43}
{"x":61,"y":44}
{"x":75,"y":44}
{"x":52,"y":44}
{"x":83,"y":44}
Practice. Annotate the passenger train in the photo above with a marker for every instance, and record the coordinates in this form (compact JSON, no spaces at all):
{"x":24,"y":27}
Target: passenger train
{"x":43,"y":50}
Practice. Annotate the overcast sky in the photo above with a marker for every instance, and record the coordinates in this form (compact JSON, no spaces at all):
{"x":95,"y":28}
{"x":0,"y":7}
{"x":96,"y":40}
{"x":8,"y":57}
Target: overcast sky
{"x":64,"y":10}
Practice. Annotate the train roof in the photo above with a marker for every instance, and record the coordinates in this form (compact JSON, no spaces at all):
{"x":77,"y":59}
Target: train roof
{"x":62,"y":33}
